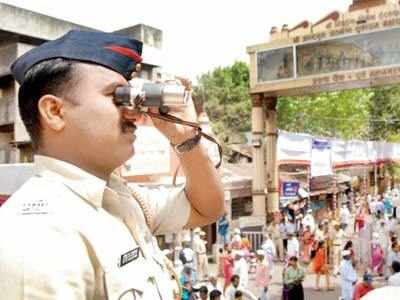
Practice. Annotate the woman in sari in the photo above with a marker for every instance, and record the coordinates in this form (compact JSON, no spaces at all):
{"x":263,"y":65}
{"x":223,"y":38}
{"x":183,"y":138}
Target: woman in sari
{"x":228,"y":263}
{"x":321,"y":266}
{"x":377,"y":256}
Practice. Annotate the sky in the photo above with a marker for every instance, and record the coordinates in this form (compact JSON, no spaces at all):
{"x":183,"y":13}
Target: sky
{"x":198,"y":36}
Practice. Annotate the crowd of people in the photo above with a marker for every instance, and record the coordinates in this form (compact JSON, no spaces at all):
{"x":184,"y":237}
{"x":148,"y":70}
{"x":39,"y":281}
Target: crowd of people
{"x":360,"y":241}
{"x":358,"y":245}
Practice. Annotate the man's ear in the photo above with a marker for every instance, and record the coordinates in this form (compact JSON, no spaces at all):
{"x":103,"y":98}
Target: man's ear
{"x":51,"y":111}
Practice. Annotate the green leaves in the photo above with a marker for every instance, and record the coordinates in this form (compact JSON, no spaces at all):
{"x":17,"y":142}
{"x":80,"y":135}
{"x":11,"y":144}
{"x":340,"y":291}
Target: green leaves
{"x":225,"y":95}
{"x":385,"y":114}
{"x":341,"y":114}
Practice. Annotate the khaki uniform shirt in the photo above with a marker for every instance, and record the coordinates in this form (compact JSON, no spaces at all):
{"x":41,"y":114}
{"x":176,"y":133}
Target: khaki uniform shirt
{"x":199,"y":246}
{"x":65,"y":234}
{"x":274,"y":231}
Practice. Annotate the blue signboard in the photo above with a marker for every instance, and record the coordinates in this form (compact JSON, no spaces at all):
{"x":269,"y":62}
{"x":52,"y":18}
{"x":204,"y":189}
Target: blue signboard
{"x":290,"y":188}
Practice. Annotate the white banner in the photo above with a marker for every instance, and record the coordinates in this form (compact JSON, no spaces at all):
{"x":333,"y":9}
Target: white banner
{"x":392,"y":150}
{"x":296,"y":148}
{"x":321,"y":158}
{"x":358,"y":152}
{"x":340,"y":151}
{"x":293,"y":146}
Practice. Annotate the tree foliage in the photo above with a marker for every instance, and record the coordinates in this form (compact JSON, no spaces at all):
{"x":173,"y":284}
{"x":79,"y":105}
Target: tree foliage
{"x":341,"y":114}
{"x":225,"y":95}
{"x":384,"y":109}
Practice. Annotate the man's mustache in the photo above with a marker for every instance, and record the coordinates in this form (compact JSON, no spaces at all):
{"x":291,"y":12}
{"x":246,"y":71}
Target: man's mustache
{"x":128,"y":126}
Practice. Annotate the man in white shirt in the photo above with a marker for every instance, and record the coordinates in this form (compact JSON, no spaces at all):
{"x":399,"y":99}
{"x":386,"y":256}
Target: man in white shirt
{"x":394,"y":280}
{"x":379,"y":205}
{"x":236,"y":242}
{"x":373,"y":205}
{"x":309,"y":220}
{"x":393,"y":255}
{"x":319,"y":233}
{"x":348,"y":276}
{"x":293,"y":247}
{"x":241,"y":268}
{"x":345,"y":216}
{"x":269,"y":248}
{"x":188,"y":258}
{"x":290,"y":227}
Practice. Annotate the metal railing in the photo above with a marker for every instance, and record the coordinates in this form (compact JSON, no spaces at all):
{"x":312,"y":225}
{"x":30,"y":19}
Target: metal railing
{"x":256,"y":239}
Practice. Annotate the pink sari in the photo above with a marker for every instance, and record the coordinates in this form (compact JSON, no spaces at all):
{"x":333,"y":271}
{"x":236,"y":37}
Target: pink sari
{"x":377,"y":258}
{"x":228,"y":268}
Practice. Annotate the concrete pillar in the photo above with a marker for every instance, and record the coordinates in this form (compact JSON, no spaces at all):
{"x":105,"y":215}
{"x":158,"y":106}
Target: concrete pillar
{"x":258,"y":132}
{"x":272,"y":160}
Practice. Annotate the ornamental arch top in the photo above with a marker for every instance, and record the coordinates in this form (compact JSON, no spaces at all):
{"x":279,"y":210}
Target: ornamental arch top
{"x":353,"y":49}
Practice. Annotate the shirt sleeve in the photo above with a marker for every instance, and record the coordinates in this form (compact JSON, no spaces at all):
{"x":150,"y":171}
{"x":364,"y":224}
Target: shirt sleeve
{"x":44,"y":263}
{"x":169,"y":208}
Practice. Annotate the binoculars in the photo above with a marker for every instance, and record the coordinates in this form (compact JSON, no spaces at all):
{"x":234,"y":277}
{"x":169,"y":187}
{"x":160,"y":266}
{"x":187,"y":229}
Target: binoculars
{"x":141,"y":94}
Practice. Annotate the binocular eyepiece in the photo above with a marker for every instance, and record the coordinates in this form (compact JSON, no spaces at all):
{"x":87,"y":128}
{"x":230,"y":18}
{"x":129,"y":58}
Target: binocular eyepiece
{"x":141,"y":95}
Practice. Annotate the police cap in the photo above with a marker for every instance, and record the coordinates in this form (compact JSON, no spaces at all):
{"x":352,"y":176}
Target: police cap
{"x":116,"y":52}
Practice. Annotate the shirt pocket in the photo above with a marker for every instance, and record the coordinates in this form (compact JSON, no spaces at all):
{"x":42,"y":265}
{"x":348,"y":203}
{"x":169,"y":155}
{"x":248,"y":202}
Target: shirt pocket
{"x":125,"y":283}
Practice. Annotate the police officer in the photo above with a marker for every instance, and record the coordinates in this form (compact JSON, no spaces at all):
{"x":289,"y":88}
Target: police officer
{"x":76,"y":230}
{"x":199,"y":246}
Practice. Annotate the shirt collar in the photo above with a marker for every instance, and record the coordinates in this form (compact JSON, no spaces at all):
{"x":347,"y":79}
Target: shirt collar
{"x":88,"y":186}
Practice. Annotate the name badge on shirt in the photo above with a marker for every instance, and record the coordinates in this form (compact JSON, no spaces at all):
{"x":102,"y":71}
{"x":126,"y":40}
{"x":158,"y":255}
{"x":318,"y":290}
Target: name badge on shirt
{"x":128,"y":257}
{"x":34,"y":207}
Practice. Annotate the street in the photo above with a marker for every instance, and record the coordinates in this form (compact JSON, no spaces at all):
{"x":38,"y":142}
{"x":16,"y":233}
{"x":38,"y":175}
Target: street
{"x":275,"y":288}
{"x":275,"y":291}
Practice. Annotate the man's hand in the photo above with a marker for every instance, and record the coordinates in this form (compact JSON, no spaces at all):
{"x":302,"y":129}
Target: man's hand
{"x":177,"y":133}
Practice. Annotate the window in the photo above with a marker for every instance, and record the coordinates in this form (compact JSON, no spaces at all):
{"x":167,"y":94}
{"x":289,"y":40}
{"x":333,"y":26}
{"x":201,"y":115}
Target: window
{"x":275,"y":64}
